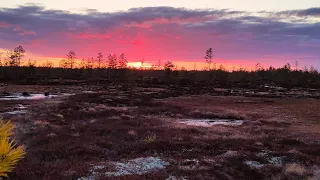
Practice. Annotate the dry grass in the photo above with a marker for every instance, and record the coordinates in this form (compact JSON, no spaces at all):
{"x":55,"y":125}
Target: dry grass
{"x":295,"y":169}
{"x":88,"y":128}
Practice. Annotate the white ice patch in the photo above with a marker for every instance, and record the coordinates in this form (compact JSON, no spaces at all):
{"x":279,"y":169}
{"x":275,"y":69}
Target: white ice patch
{"x":16,"y":112}
{"x":134,"y":166}
{"x":89,"y":92}
{"x":274,"y":160}
{"x":138,"y":166}
{"x":254,"y":164}
{"x":20,"y":106}
{"x":211,"y":122}
{"x":31,"y":97}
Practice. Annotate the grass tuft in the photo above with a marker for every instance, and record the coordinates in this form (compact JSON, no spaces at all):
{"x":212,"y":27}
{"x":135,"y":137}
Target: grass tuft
{"x":10,"y":153}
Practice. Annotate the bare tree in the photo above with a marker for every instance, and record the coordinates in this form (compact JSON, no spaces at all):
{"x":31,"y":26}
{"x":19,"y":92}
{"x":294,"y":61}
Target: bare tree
{"x":15,"y":56}
{"x":71,"y":59}
{"x":122,"y":61}
{"x":313,"y":70}
{"x":63,"y":63}
{"x":258,"y":67}
{"x":112,"y":61}
{"x":209,"y":57}
{"x":159,"y":64}
{"x":221,"y":68}
{"x":100,"y":59}
{"x":48,"y":64}
{"x":31,"y":63}
{"x":168,"y":65}
{"x":296,"y":65}
{"x":86,"y":63}
{"x":19,"y":53}
{"x":1,"y":63}
{"x":142,"y":63}
{"x":287,"y":67}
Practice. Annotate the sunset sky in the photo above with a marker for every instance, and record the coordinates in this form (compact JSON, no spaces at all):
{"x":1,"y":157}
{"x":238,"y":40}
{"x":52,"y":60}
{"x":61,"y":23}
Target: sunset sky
{"x":240,"y":32}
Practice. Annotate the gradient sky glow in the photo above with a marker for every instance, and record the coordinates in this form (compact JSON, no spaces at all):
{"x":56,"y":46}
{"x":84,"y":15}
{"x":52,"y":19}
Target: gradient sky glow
{"x":241,"y":32}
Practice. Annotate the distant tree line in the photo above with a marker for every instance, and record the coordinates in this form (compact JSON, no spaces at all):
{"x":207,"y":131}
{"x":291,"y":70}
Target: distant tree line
{"x":113,"y":68}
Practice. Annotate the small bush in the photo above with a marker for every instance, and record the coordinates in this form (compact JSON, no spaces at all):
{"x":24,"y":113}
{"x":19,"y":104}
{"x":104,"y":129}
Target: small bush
{"x":10,"y":154}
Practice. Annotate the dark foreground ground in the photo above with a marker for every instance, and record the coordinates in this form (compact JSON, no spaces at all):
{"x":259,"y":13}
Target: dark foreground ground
{"x":83,"y":134}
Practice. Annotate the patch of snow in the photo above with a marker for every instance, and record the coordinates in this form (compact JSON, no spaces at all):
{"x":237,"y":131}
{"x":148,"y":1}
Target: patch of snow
{"x":20,"y":106}
{"x":190,"y":164}
{"x":134,"y":166}
{"x":16,"y":112}
{"x":176,"y":178}
{"x":88,"y":92}
{"x":31,"y":97}
{"x":276,"y":160}
{"x":212,"y":122}
{"x":86,"y":178}
{"x":138,"y":166}
{"x":254,"y":164}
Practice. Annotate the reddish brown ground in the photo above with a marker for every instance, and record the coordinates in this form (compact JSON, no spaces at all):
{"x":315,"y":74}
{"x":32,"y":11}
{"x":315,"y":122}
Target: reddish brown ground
{"x":65,"y":135}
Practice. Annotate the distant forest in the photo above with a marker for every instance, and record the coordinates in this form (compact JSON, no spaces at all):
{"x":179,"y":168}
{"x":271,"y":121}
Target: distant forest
{"x":113,"y":69}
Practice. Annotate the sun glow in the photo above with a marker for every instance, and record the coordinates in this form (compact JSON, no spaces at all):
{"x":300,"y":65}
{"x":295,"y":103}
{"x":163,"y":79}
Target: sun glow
{"x":140,"y":65}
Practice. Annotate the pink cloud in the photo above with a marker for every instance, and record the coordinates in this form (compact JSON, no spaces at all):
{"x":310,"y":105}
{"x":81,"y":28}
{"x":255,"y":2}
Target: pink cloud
{"x":4,"y":25}
{"x":161,"y":21}
{"x":23,"y":32}
{"x":88,"y":35}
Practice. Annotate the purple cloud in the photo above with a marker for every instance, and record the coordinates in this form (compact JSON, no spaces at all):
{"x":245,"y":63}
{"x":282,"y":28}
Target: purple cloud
{"x":169,"y":33}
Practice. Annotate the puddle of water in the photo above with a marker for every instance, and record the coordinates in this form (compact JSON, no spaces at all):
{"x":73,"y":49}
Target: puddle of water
{"x":212,"y":122}
{"x":31,"y":97}
{"x":134,"y":166}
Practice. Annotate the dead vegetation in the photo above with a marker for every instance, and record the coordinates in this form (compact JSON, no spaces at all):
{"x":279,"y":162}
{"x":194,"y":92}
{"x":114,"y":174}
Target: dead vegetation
{"x":65,"y":137}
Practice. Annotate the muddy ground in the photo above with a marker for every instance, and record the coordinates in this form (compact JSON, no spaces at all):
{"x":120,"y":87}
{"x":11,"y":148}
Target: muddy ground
{"x":87,"y":132}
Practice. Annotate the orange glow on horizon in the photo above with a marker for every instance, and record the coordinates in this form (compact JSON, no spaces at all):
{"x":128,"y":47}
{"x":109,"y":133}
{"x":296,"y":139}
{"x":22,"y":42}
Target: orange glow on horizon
{"x":179,"y":64}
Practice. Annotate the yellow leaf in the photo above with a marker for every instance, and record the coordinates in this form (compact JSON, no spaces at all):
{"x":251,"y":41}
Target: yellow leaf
{"x":10,"y":155}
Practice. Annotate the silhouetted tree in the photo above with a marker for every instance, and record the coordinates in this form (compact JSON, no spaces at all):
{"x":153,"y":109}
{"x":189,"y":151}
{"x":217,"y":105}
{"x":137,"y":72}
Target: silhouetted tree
{"x":142,"y":63}
{"x":258,"y":67}
{"x":122,"y":61}
{"x":1,"y":63}
{"x":63,"y":63}
{"x":296,"y":65}
{"x":194,"y":66}
{"x":168,"y":65}
{"x":48,"y":64}
{"x":100,"y":59}
{"x":209,"y":57}
{"x":90,"y":63}
{"x":71,"y":59}
{"x":221,"y":68}
{"x":112,"y":61}
{"x":159,"y":64}
{"x":86,"y":63}
{"x":16,"y":55}
{"x":31,"y":63}
{"x":313,"y":70}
